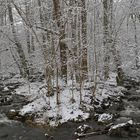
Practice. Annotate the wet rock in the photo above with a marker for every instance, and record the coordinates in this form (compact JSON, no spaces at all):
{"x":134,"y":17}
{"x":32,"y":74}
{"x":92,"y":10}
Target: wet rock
{"x":116,"y":106}
{"x":51,"y":118}
{"x":13,"y":86}
{"x":112,"y":104}
{"x":132,"y":113}
{"x":12,"y":113}
{"x":1,"y":87}
{"x":58,"y":117}
{"x":134,"y":98}
{"x":107,"y":127}
{"x":26,"y":118}
{"x":96,"y":102}
{"x":82,"y":129}
{"x":130,"y":82}
{"x":5,"y":100}
{"x":136,"y":104}
{"x":10,"y":104}
{"x":98,"y":109}
{"x":105,"y":104}
{"x":48,"y":136}
{"x":127,"y":129}
{"x":9,"y":87}
{"x":29,"y":116}
{"x":6,"y":89}
{"x":38,"y":76}
{"x":128,"y":92}
{"x":3,"y":136}
{"x":138,"y":131}
{"x":122,"y":120}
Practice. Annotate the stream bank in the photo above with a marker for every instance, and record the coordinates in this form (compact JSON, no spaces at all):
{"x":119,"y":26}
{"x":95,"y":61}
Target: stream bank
{"x":124,"y":109}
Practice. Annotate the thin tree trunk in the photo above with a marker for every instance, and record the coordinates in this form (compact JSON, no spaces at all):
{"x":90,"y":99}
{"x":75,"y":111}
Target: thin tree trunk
{"x":84,"y":40}
{"x":44,"y":38}
{"x":28,"y":38}
{"x":136,"y":43}
{"x":106,"y":39}
{"x":95,"y":51}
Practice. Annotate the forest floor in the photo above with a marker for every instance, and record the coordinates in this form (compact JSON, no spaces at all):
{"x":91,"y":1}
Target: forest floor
{"x":114,"y":110}
{"x":70,"y":108}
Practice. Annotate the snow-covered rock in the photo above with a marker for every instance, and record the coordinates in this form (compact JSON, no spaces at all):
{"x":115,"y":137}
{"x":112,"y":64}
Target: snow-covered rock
{"x":82,"y":129}
{"x":105,"y":118}
{"x":121,"y":125}
{"x":6,"y":89}
{"x":128,"y":129}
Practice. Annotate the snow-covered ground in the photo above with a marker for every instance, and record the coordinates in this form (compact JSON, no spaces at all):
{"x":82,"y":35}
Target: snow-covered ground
{"x":108,"y":89}
{"x":48,"y":111}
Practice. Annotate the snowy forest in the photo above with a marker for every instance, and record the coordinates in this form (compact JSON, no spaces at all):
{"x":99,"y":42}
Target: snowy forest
{"x":71,"y":68}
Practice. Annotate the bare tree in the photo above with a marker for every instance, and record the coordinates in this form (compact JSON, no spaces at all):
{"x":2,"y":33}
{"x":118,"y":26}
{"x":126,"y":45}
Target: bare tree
{"x":84,"y":39}
{"x":62,"y":45}
{"x":107,"y":36}
{"x":24,"y":66}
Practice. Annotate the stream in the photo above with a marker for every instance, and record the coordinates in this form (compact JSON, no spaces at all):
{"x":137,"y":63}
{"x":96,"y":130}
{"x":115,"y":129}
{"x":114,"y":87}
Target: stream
{"x":15,"y":130}
{"x":12,"y":130}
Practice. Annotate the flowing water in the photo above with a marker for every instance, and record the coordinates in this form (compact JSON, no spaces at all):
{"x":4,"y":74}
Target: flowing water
{"x":12,"y":130}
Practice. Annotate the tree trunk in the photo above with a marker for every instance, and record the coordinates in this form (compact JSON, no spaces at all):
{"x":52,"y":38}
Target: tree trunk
{"x":62,"y":44}
{"x":23,"y":61}
{"x":136,"y":41}
{"x":84,"y":40}
{"x":106,"y":38}
{"x":110,"y":43}
{"x":28,"y":38}
{"x":44,"y":38}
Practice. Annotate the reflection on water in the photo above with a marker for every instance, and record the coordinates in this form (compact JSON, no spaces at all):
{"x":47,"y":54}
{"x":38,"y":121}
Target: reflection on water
{"x":4,"y":119}
{"x":12,"y":130}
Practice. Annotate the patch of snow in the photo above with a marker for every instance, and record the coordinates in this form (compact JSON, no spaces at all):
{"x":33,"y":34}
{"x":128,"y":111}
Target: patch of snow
{"x":105,"y":117}
{"x":16,"y":79}
{"x":67,"y":110}
{"x":121,"y":125}
{"x":33,"y":107}
{"x":12,"y":110}
{"x":82,"y":129}
{"x":48,"y":106}
{"x":106,"y":90}
{"x":138,"y":90}
{"x":30,"y":90}
{"x":6,"y":89}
